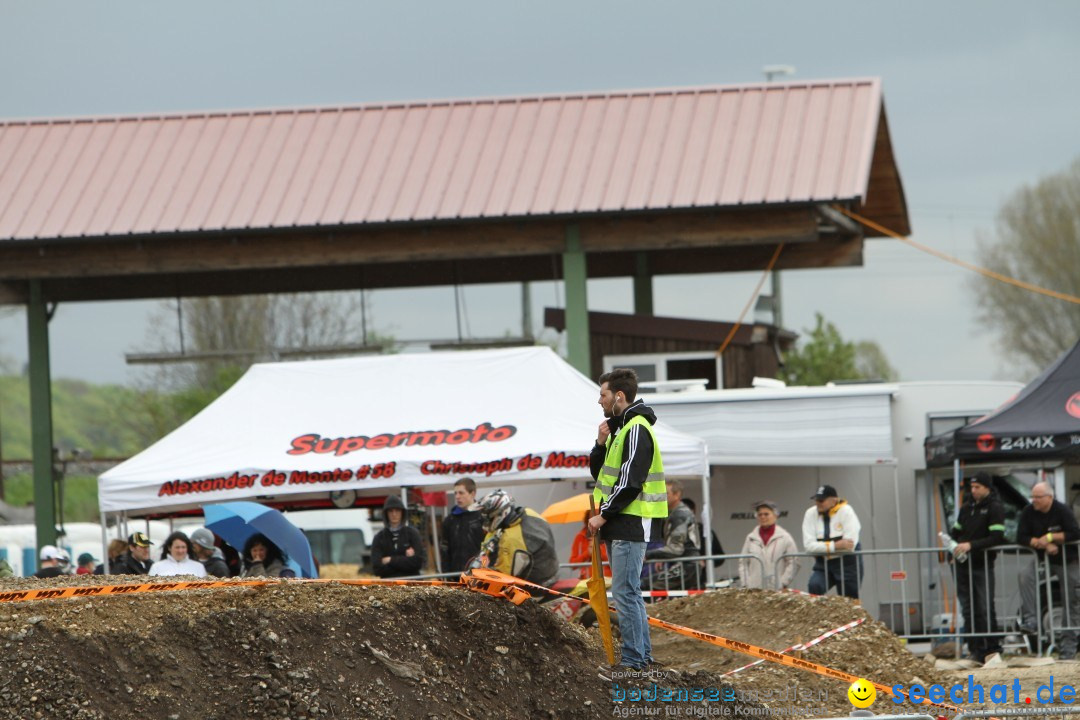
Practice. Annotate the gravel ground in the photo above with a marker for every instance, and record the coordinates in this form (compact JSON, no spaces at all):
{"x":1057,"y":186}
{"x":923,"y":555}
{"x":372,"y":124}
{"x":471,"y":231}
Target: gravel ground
{"x":292,"y":650}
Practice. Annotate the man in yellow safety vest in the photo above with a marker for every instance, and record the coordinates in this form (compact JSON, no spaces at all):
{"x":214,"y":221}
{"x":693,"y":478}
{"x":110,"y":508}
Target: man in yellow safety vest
{"x":632,"y":498}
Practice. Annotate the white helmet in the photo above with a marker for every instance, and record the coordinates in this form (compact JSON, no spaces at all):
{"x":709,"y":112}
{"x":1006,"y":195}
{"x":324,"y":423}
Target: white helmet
{"x":494,"y":507}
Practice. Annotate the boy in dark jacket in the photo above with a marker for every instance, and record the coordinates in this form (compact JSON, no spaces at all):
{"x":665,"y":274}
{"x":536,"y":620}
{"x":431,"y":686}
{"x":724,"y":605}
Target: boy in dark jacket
{"x":462,"y":530}
{"x":398,"y":549}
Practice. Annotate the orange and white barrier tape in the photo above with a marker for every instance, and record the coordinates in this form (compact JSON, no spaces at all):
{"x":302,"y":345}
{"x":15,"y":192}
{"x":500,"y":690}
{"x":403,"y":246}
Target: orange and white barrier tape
{"x":496,"y":579}
{"x":483,"y":580}
{"x":672,"y":593}
{"x":802,"y":646}
{"x":134,"y":588}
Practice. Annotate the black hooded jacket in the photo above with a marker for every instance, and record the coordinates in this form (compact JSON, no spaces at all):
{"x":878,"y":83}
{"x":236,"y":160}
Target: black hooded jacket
{"x":982,"y":524}
{"x":636,"y":461}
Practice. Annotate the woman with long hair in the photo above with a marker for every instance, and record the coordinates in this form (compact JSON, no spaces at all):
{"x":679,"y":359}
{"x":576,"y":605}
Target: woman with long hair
{"x":176,"y":558}
{"x":262,"y":558}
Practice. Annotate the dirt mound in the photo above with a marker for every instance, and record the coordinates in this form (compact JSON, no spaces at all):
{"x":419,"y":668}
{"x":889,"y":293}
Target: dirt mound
{"x":303,"y":651}
{"x":777,"y":621}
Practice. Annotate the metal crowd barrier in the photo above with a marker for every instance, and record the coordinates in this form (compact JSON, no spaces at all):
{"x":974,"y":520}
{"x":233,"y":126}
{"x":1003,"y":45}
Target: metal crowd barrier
{"x":938,"y":576}
{"x":1042,"y":711}
{"x":867,"y":714}
{"x":1017,"y":572}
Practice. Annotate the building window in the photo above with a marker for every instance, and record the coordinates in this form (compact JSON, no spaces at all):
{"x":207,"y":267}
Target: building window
{"x":669,"y":367}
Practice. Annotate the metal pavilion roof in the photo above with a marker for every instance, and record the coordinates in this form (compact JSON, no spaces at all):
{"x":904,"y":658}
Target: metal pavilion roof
{"x":645,"y":150}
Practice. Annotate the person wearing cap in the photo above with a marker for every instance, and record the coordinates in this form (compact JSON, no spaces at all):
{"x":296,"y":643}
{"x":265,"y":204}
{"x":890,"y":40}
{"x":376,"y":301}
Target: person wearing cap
{"x":772,"y":545}
{"x":831,"y":531}
{"x":136,"y":561}
{"x":206,"y":552}
{"x":85,"y":564}
{"x":1049,"y":527}
{"x":979,"y":526}
{"x":398,"y":549}
{"x":53,"y":562}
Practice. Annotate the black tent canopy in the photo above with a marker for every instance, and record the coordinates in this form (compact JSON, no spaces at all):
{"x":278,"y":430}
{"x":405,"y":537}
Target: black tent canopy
{"x":1042,"y":423}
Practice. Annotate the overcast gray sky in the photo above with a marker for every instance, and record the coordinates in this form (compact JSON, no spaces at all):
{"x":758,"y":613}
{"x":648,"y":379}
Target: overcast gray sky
{"x":977,"y":96}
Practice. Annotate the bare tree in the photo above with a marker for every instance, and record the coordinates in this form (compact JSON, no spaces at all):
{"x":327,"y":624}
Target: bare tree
{"x":233,"y":332}
{"x":1037,"y":240}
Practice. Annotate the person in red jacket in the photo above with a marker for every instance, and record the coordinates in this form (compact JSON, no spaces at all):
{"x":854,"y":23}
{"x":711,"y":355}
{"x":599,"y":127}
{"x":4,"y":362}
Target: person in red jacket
{"x":581,"y":551}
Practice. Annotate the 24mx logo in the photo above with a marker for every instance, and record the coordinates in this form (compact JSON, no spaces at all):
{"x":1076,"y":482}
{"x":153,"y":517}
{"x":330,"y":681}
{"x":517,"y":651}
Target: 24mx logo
{"x":1028,"y":442}
{"x":1072,"y":405}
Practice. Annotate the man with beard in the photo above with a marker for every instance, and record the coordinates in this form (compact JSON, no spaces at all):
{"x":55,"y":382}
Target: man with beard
{"x":632,"y":498}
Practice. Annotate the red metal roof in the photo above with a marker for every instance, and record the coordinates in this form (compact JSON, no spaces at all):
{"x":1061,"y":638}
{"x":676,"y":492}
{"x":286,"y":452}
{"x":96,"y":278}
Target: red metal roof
{"x":430,"y":161}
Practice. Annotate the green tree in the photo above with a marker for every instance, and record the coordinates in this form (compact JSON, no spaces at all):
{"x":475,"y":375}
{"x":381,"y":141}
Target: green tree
{"x":826,"y":357}
{"x":1037,"y":240}
{"x":871,"y":363}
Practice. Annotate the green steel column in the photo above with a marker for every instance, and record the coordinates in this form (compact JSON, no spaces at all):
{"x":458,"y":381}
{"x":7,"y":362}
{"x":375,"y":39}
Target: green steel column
{"x":37,"y":325}
{"x":642,"y":286}
{"x":575,"y":277}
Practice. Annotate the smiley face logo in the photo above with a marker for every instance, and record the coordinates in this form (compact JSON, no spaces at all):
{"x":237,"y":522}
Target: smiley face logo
{"x":861,"y":693}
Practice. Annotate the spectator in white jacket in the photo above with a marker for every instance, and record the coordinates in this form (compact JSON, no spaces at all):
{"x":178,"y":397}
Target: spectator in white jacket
{"x":768,"y":543}
{"x":831,"y":531}
{"x":176,"y":558}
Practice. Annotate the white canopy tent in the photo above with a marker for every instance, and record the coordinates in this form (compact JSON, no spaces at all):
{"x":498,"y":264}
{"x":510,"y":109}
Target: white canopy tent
{"x":296,"y":431}
{"x":796,"y":426}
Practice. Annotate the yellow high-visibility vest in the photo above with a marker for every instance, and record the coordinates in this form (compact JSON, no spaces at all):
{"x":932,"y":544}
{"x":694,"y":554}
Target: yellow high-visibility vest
{"x":652,"y":501}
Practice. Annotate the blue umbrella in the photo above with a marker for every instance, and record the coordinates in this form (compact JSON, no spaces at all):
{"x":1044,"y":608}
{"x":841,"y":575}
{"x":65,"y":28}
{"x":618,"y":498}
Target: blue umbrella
{"x":238,"y":521}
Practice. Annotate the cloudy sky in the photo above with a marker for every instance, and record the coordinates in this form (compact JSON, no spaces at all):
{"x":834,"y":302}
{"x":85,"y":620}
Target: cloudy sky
{"x":977,"y":96}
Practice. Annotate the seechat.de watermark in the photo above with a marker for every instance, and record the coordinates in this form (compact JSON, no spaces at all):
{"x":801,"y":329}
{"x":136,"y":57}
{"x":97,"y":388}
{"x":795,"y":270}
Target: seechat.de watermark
{"x":973,"y":692}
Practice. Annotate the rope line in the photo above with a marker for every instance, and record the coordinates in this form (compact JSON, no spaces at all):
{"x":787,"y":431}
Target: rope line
{"x":993,"y":275}
{"x":753,"y":297}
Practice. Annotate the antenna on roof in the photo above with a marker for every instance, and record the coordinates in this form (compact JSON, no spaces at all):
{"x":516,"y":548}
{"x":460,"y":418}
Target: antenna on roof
{"x":773,"y":70}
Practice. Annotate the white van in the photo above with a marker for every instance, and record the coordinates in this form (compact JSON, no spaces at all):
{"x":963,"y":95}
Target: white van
{"x":338,"y":537}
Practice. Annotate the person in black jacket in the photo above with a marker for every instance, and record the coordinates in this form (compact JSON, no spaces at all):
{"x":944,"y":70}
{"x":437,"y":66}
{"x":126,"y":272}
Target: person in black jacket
{"x":136,"y":561}
{"x":462,"y":529}
{"x":627,"y":467}
{"x":979,"y":527}
{"x":1046,"y":525}
{"x":682,"y":538}
{"x":207,"y":552}
{"x":398,"y":549}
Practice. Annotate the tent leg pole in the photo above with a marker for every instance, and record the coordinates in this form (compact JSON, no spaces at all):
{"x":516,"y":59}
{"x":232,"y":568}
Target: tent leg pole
{"x":435,"y":541}
{"x":105,"y":542}
{"x":956,"y":489}
{"x":706,"y":530}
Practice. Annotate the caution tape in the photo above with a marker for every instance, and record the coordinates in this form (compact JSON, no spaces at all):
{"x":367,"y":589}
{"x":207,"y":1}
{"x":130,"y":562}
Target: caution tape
{"x":494,"y":579}
{"x":127,"y":589}
{"x":135,"y":588}
{"x":482,"y":580}
{"x":802,"y":646}
{"x":672,"y":593}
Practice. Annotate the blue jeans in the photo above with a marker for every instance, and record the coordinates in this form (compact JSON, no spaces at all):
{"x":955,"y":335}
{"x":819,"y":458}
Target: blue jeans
{"x":627,"y":559}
